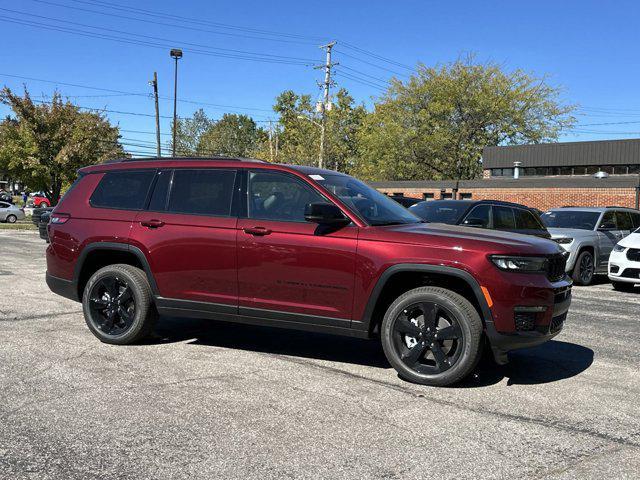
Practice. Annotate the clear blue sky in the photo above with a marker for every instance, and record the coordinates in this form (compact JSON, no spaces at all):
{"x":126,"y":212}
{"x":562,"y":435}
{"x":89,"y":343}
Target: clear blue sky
{"x":590,"y":48}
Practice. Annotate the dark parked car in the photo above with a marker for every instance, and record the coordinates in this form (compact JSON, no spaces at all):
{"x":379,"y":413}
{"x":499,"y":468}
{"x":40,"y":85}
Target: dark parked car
{"x":43,"y":224}
{"x":406,"y":202}
{"x":491,"y":214}
{"x":297,"y":247}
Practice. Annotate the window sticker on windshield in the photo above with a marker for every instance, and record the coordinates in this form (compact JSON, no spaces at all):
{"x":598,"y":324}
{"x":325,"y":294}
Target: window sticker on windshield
{"x":317,"y":177}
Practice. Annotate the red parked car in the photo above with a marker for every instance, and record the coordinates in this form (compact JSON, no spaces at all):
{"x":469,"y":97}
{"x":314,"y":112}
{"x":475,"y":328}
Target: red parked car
{"x":40,"y":200}
{"x":298,"y":247}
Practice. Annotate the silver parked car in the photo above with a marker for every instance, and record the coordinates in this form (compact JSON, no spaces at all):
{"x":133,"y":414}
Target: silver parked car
{"x":589,"y":234}
{"x":10,"y":213}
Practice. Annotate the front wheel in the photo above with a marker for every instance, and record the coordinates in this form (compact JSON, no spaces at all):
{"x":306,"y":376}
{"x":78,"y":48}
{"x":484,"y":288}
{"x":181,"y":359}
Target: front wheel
{"x":432,"y":336}
{"x":584,"y":270}
{"x":117,"y":304}
{"x":11,"y":219}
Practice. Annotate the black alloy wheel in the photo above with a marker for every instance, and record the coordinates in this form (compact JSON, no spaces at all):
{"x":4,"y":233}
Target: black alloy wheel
{"x":432,"y":336}
{"x":112,"y":305}
{"x":427,"y":337}
{"x":585,"y":269}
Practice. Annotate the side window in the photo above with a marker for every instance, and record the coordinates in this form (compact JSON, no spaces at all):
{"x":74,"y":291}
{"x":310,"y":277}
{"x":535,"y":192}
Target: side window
{"x":503,"y":218}
{"x":635,"y":217}
{"x":608,"y":220}
{"x":4,"y":205}
{"x":158,"y":200}
{"x":525,"y":220}
{"x":202,"y":192}
{"x":122,"y":190}
{"x":280,"y":197}
{"x":623,"y":220}
{"x":478,"y":217}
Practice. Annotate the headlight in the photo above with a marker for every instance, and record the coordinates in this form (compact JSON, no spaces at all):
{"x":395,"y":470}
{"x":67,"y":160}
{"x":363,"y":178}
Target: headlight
{"x":619,"y":248}
{"x":563,"y":240}
{"x":520,"y":264}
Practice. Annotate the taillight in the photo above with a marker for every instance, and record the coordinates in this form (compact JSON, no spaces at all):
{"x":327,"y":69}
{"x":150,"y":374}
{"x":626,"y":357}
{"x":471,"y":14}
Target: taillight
{"x":59,"y":218}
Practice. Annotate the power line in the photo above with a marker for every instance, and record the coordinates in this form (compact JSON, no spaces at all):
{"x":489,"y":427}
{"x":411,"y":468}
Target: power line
{"x":372,"y":64}
{"x":375,"y":55}
{"x":233,"y":52}
{"x":190,"y":27}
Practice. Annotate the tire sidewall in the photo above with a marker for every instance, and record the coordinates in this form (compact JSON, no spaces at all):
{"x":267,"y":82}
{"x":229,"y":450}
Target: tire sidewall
{"x":11,"y":219}
{"x":141,"y":306}
{"x":577,"y":277}
{"x":470,"y":348}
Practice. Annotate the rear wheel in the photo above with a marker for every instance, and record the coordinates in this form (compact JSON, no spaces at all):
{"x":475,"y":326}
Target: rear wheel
{"x":11,"y":219}
{"x":623,"y":286}
{"x":117,"y":304}
{"x":431,"y":335}
{"x":584,"y":270}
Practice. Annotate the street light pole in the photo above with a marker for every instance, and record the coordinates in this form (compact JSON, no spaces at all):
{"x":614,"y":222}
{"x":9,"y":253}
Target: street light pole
{"x":176,"y":54}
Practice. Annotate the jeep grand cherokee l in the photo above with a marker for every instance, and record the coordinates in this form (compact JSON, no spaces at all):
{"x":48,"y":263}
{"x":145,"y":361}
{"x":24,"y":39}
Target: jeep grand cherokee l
{"x":297,"y":247}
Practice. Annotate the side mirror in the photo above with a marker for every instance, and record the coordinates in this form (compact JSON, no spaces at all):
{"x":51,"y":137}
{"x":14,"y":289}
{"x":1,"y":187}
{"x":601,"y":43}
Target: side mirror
{"x":607,"y":226}
{"x":474,"y":222}
{"x":325,"y":214}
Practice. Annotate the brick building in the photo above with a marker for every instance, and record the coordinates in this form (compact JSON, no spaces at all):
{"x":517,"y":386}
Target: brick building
{"x":550,"y":175}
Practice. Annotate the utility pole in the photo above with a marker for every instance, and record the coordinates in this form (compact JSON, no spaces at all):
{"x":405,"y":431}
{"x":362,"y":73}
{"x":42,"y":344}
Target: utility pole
{"x":176,"y":54}
{"x":154,"y":84}
{"x":326,"y":99}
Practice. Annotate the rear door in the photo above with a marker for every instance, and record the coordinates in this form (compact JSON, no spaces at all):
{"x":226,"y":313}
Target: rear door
{"x":528,"y":224}
{"x":503,"y":218}
{"x":289,"y":268}
{"x":188,"y":235}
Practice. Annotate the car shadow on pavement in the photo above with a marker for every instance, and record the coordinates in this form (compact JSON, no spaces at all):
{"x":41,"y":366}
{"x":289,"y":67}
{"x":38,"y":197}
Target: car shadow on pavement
{"x":549,"y":362}
{"x":272,"y":340}
{"x":546,"y":363}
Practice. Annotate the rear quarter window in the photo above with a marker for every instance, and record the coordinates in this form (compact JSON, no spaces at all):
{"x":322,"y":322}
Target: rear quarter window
{"x":122,"y":190}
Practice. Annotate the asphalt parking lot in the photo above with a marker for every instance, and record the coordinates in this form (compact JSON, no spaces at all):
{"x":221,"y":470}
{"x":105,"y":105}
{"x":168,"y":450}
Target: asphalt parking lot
{"x":213,"y":400}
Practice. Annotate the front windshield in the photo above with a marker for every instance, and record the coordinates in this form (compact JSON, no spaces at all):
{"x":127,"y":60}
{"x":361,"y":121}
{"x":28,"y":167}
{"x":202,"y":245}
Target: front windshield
{"x":570,"y":219}
{"x":440,"y":212}
{"x":377,"y":209}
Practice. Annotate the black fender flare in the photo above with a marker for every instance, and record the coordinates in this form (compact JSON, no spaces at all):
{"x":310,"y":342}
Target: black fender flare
{"x":116,"y":246}
{"x":487,"y":318}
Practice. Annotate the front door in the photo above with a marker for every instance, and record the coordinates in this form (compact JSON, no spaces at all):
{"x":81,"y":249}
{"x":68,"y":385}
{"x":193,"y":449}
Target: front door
{"x":608,"y":236}
{"x":189,"y":234}
{"x":289,"y":268}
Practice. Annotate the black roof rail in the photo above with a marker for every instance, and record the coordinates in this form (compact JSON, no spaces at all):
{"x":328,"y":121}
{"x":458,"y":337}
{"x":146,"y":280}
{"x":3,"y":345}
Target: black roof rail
{"x":618,"y":206}
{"x":183,"y":159}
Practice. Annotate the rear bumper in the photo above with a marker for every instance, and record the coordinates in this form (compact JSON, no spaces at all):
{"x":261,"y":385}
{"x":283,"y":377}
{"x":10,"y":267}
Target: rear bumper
{"x":62,"y":287}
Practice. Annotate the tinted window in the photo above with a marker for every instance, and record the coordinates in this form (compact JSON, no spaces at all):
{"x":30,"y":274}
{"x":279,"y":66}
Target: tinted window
{"x":623,"y":220}
{"x":635,"y":217}
{"x":158,"y":200}
{"x":370,"y":204}
{"x":124,"y":190}
{"x":441,"y":211}
{"x":570,"y":219}
{"x":478,"y":217}
{"x":4,"y":205}
{"x":608,"y":220}
{"x":280,"y":197}
{"x":525,"y":220}
{"x":202,"y":192}
{"x":503,"y":218}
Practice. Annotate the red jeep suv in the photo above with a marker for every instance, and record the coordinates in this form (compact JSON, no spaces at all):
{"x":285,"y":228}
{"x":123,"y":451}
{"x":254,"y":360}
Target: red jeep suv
{"x":298,"y":247}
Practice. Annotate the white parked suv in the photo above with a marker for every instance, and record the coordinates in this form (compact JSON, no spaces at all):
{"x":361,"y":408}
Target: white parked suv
{"x":624,"y":262}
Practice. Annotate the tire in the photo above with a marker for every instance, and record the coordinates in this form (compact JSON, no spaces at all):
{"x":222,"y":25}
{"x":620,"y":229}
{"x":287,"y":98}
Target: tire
{"x":439,"y":361}
{"x":584,"y":270}
{"x":623,"y":286}
{"x":11,"y":219}
{"x":117,"y":305}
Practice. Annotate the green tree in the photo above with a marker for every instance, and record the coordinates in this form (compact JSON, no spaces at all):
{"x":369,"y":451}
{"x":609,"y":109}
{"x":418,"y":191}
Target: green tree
{"x":44,"y":144}
{"x":435,"y":125}
{"x":189,"y":132}
{"x":233,"y":135}
{"x":299,"y":140}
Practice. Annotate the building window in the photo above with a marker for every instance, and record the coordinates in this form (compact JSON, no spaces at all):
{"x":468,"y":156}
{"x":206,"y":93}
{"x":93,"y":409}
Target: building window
{"x":620,"y":169}
{"x":566,"y":171}
{"x":465,"y":196}
{"x":427,"y":196}
{"x":591,"y":170}
{"x":445,"y":195}
{"x":398,"y":194}
{"x":607,"y":168}
{"x":634,"y":168}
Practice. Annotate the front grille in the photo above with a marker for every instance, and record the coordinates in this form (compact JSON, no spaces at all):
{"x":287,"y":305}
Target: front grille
{"x":556,"y":266}
{"x":557,"y":322}
{"x":631,"y":273}
{"x":633,"y":254}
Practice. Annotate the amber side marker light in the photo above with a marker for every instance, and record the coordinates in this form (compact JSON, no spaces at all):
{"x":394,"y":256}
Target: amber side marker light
{"x":487,"y":297}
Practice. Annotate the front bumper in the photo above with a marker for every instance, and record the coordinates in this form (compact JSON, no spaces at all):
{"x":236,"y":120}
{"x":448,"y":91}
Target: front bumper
{"x":621,"y":269}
